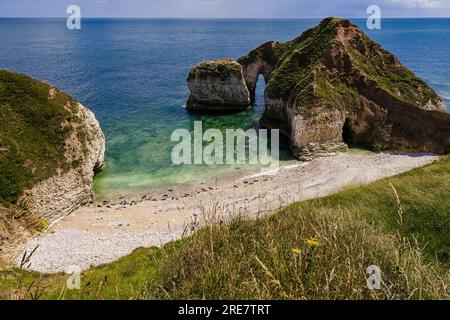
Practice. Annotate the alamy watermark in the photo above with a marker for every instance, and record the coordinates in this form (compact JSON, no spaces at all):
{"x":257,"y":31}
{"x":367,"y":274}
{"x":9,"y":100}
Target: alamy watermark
{"x":374,"y":19}
{"x":234,"y":147}
{"x":74,"y":279}
{"x":374,"y":279}
{"x":73,"y":21}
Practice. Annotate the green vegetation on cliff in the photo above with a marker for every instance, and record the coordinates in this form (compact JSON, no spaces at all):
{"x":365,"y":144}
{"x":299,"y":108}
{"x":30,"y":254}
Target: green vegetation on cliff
{"x":383,"y":68}
{"x":325,"y":65}
{"x":224,"y":69}
{"x":319,"y":249}
{"x":33,"y":129}
{"x":297,"y":60}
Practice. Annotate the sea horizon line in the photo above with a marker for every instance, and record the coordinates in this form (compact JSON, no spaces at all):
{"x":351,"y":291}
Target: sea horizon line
{"x":219,"y":18}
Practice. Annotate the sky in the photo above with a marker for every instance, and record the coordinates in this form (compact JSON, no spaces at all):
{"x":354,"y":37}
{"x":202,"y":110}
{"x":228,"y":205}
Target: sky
{"x":224,"y":8}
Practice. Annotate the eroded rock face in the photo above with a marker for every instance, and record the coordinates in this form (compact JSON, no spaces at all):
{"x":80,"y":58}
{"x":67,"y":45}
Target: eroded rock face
{"x":259,"y":61}
{"x":52,"y":146}
{"x":69,"y":189}
{"x":218,"y":86}
{"x":333,"y":86}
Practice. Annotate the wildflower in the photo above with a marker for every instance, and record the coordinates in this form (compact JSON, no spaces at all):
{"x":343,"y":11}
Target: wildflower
{"x":312,"y":242}
{"x":296,"y":251}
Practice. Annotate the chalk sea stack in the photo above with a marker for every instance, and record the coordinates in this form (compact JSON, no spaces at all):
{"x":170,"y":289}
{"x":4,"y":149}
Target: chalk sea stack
{"x":218,"y":85}
{"x":333,"y":86}
{"x":50,"y":148}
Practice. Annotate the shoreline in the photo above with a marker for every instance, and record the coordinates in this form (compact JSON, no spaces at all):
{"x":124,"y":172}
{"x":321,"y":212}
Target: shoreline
{"x":108,"y":230}
{"x":227,"y":176}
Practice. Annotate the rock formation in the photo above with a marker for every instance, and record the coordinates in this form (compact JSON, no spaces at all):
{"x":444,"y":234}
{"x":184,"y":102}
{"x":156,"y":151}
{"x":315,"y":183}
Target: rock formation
{"x":13,"y":233}
{"x":218,"y":86}
{"x":50,"y":148}
{"x":333,"y":86}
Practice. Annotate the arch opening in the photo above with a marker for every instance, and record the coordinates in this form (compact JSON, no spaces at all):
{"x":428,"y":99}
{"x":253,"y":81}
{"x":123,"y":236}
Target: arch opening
{"x":258,"y":99}
{"x":348,"y":134}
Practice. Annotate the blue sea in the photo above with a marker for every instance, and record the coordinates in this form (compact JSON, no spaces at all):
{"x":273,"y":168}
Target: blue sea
{"x":132,"y":74}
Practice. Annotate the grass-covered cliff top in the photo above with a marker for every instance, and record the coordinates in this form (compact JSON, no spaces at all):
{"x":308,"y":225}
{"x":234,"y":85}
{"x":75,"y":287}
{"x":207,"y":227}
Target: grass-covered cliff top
{"x":297,"y":60}
{"x":222,"y":69}
{"x":319,"y":249}
{"x":32,"y":133}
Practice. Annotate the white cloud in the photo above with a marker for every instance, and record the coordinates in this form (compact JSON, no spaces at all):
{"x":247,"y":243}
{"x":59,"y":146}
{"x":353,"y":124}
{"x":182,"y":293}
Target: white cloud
{"x":426,"y":4}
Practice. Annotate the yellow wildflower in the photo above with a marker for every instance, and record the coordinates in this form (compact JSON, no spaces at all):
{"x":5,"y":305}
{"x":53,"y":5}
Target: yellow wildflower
{"x":312,"y":242}
{"x":296,"y":251}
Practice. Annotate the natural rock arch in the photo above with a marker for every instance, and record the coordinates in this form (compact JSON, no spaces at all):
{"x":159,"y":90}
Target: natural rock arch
{"x":332,"y":79}
{"x":258,"y":62}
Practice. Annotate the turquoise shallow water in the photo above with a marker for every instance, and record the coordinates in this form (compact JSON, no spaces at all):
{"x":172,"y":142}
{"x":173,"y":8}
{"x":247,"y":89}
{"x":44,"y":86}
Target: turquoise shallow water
{"x":132,"y":74}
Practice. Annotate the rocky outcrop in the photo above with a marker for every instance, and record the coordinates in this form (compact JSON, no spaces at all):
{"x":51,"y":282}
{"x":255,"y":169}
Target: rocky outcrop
{"x":218,"y":86}
{"x":71,"y":188}
{"x":333,"y":86}
{"x":52,"y":148}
